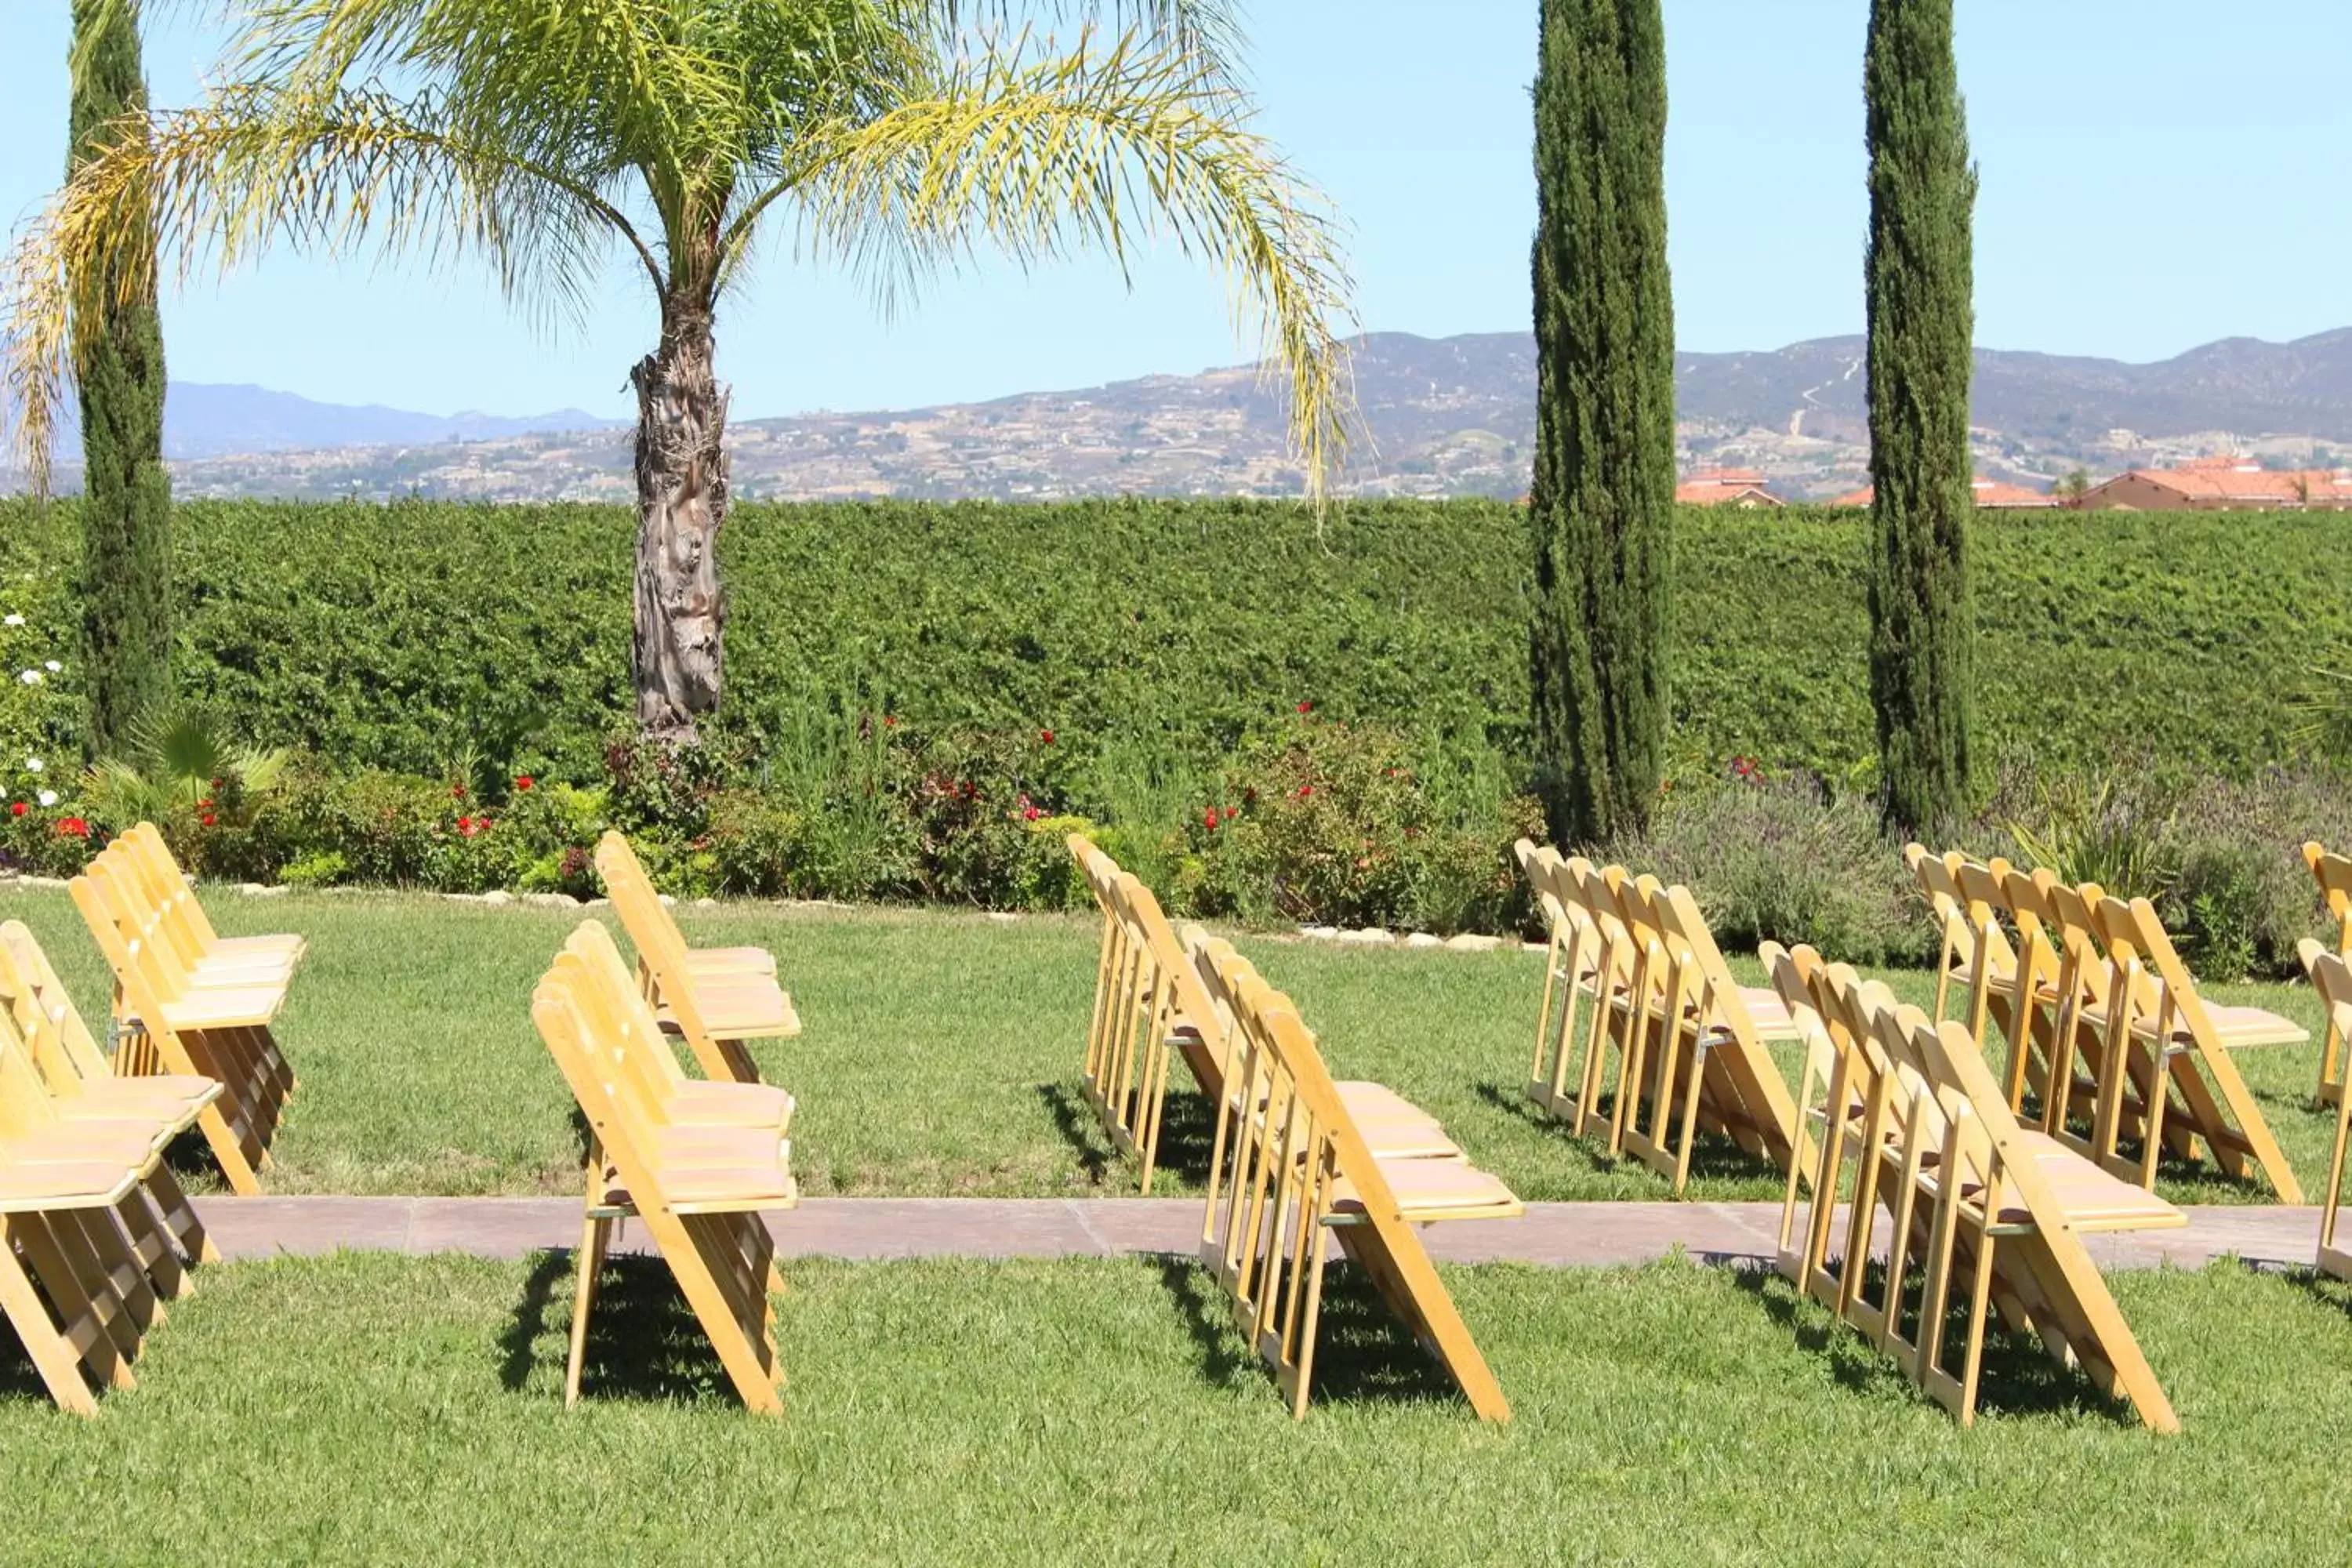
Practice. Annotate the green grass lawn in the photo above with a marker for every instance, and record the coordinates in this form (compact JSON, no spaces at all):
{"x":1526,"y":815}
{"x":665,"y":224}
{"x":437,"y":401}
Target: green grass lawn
{"x":941,"y":1054}
{"x":377,"y":1409}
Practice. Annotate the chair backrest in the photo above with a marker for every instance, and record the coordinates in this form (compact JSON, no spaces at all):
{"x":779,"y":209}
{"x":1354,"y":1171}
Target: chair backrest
{"x":2331,"y":976}
{"x":2334,"y":875}
{"x":63,"y":1049}
{"x":146,"y":841}
{"x":657,"y":936}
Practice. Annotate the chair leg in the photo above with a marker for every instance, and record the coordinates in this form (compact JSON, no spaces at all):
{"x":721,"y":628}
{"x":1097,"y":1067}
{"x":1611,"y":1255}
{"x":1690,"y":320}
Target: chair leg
{"x":52,"y":1355}
{"x":588,"y":1263}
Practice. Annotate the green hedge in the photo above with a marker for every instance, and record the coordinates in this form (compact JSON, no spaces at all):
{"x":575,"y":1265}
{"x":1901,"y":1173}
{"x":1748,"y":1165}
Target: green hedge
{"x":393,"y":636}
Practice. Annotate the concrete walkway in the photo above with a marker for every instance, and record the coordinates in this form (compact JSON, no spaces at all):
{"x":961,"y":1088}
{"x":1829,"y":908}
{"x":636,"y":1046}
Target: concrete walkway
{"x":1552,"y":1235}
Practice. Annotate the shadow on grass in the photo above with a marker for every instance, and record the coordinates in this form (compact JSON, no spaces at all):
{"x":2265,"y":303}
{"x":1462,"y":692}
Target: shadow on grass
{"x":2020,"y":1377}
{"x":643,"y":1341}
{"x":1188,"y":1132}
{"x":1713,"y":1157}
{"x":1073,"y":1119}
{"x":1363,"y":1353}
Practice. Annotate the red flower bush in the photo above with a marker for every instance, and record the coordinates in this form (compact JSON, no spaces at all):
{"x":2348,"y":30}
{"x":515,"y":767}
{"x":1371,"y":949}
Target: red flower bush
{"x":525,"y":781}
{"x":73,"y":827}
{"x":19,"y":809}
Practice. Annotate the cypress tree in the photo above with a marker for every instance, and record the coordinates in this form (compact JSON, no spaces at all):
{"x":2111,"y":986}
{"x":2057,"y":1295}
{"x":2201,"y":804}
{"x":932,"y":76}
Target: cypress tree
{"x":118,"y":359}
{"x":1922,"y":201}
{"x":1600,"y":508}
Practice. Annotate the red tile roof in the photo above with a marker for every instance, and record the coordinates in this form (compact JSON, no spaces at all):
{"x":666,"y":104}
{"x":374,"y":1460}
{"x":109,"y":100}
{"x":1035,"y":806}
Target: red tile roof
{"x":2237,"y":479}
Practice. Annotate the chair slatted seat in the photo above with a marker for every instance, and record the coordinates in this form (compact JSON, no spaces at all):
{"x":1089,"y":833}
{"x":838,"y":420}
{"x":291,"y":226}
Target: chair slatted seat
{"x":718,"y":999}
{"x":699,"y":1186}
{"x":1292,"y":1171}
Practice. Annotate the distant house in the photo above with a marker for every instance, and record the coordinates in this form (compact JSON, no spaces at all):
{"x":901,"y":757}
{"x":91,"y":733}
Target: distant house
{"x":2223,"y":484}
{"x":1991,"y":494}
{"x":1726,"y":486}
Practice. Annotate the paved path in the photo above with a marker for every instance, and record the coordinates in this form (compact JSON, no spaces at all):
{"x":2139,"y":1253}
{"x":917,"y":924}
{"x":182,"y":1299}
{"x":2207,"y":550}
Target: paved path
{"x":1554,"y":1235}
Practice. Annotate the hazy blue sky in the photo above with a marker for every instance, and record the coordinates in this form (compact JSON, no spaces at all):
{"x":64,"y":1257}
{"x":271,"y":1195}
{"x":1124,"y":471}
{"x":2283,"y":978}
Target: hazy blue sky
{"x":2156,"y":174}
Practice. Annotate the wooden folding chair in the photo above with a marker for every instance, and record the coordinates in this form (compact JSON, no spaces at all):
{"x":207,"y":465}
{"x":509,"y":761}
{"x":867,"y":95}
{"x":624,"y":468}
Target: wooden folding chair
{"x":1148,"y":1005}
{"x":59,"y":1103}
{"x":718,"y":999}
{"x":2157,"y":1028}
{"x":194,"y":1025}
{"x":2331,"y":976}
{"x":1712,"y":1071}
{"x":2334,"y":875}
{"x":1572,"y":1026}
{"x":1938,"y":880}
{"x":1843,"y":1129}
{"x":2008,"y":1218}
{"x":1292,"y":1166}
{"x":697,"y":1162}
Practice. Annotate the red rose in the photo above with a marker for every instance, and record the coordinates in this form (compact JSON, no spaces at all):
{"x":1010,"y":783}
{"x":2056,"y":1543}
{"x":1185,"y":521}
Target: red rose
{"x":889,"y":721}
{"x":208,"y":820}
{"x":1306,"y":790}
{"x":1209,"y":819}
{"x":1029,"y":814}
{"x":525,"y":781}
{"x":203,"y":806}
{"x":19,"y":809}
{"x":1232,"y":811}
{"x":1046,"y":736}
{"x":73,"y":828}
{"x":456,"y":792}
{"x":1306,"y":708}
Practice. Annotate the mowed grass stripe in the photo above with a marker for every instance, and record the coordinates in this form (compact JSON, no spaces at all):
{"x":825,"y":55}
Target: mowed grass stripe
{"x":374,"y":1409}
{"x":941,"y":1055}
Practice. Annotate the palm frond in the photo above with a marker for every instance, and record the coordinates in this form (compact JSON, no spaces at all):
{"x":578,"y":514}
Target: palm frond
{"x":1100,"y":150}
{"x":257,"y":165}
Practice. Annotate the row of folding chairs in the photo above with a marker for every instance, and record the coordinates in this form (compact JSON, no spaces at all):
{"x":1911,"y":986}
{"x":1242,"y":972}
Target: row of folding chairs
{"x":95,"y":1232}
{"x":2109,"y":1037}
{"x":1299,"y":1162}
{"x":1644,"y":1040}
{"x":1294,"y":1172}
{"x":1903,"y":1116}
{"x":189,"y":1002}
{"x":697,"y":1160}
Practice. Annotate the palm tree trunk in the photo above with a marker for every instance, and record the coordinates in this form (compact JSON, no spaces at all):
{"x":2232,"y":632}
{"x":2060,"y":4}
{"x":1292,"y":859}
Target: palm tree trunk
{"x":681,"y":502}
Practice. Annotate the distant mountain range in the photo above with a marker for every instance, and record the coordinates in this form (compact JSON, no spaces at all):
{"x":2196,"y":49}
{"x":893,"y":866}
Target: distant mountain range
{"x":1439,"y":416}
{"x":202,"y":420}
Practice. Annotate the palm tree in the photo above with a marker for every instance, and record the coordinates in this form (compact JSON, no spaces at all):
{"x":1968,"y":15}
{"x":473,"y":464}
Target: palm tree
{"x":545,"y":135}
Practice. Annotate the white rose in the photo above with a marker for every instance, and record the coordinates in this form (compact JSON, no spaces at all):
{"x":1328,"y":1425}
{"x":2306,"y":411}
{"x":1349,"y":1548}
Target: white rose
{"x":15,"y":620}
{"x":53,"y":667}
{"x":48,"y":797}
{"x":32,"y":764}
{"x":31,"y":677}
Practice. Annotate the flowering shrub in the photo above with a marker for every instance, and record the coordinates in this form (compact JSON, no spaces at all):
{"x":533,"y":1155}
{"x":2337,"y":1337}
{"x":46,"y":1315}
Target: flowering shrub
{"x":1332,"y":824}
{"x":40,"y":710}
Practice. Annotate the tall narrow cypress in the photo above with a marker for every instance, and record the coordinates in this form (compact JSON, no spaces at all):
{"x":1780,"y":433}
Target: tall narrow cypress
{"x":1601,"y":506}
{"x":117,"y":358}
{"x":1922,"y":202}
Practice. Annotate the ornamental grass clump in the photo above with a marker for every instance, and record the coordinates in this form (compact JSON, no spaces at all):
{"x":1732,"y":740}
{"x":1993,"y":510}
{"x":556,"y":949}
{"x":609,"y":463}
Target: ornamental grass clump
{"x":1782,"y":859}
